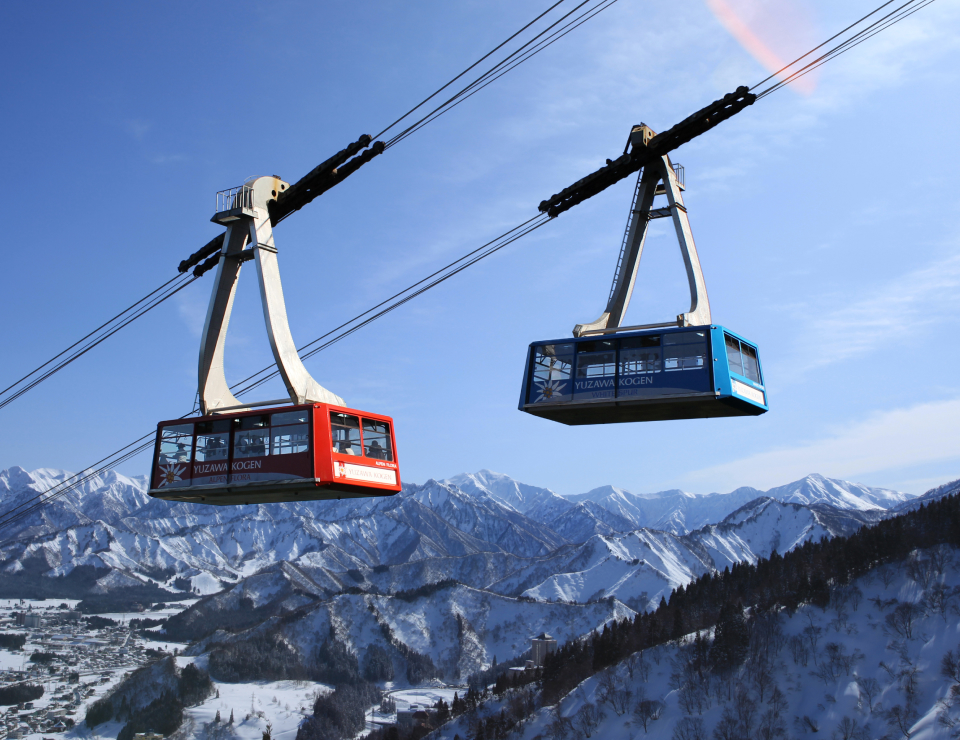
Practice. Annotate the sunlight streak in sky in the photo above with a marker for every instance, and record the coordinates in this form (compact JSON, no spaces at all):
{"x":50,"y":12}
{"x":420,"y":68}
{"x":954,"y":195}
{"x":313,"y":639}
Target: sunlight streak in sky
{"x":773,"y":34}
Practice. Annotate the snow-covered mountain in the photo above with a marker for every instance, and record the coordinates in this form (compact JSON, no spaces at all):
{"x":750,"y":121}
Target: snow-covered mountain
{"x":680,"y":512}
{"x":484,"y":530}
{"x":879,"y":662}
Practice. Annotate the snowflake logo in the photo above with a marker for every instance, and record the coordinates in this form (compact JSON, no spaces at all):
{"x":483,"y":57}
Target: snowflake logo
{"x":170,"y":473}
{"x":549,"y":389}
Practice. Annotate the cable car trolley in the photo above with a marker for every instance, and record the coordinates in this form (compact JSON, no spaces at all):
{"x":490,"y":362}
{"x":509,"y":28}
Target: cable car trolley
{"x":685,"y":369}
{"x":313,"y":447}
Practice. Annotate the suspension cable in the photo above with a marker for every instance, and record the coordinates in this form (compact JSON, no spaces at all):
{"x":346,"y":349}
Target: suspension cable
{"x":140,"y":445}
{"x":510,"y":62}
{"x":890,"y":19}
{"x":103,"y":332}
{"x":526,"y":50}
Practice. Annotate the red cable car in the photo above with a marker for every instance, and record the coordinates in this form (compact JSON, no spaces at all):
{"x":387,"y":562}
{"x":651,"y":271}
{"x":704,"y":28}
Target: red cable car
{"x":291,"y":453}
{"x":244,"y":453}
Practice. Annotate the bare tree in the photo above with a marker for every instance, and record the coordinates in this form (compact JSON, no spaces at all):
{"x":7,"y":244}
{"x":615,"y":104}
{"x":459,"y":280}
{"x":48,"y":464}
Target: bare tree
{"x":648,"y":710}
{"x":840,"y":621}
{"x":856,"y":596}
{"x":941,"y":556}
{"x":587,"y":719}
{"x":899,"y":719}
{"x":656,"y":652}
{"x":762,"y":675}
{"x":637,"y":663}
{"x":850,"y":729}
{"x":772,"y":726}
{"x":612,"y":692}
{"x":777,"y":701}
{"x":727,"y":728}
{"x":887,"y":575}
{"x":807,"y":724}
{"x":919,"y":569}
{"x":938,"y":598}
{"x":950,"y":666}
{"x":690,"y":728}
{"x":869,"y":688}
{"x":560,"y":727}
{"x":902,"y":619}
{"x":799,"y":650}
{"x":745,"y":709}
{"x":812,"y":632}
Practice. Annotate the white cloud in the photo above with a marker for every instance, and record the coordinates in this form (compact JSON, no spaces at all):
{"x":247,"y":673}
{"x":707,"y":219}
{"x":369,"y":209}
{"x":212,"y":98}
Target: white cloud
{"x":889,"y":313}
{"x":886,"y":441}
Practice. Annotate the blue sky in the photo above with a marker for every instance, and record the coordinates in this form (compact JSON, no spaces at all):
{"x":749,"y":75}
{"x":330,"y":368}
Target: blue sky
{"x":826,"y":222}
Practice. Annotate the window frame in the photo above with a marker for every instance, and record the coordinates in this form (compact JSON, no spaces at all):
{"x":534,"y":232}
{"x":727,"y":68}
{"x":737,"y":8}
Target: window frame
{"x":741,"y":372}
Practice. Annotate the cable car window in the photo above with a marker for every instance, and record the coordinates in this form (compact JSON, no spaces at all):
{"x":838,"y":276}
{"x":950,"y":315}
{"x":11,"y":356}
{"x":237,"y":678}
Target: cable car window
{"x":751,"y":367}
{"x":552,"y":366}
{"x":376,"y":440}
{"x":345,"y":433}
{"x":733,"y":354}
{"x":251,"y":442}
{"x":684,"y":350}
{"x":290,"y":417}
{"x":596,"y":369}
{"x":213,"y":440}
{"x":291,"y":439}
{"x":640,"y":355}
{"x":176,"y":444}
{"x":596,"y":359}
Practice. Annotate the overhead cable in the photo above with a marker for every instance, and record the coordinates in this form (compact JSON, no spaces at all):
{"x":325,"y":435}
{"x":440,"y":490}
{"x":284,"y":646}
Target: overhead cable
{"x":485,"y":56}
{"x":103,"y":332}
{"x":386,"y":306}
{"x":510,"y":62}
{"x":892,"y":18}
{"x":325,"y":176}
{"x":398,"y":299}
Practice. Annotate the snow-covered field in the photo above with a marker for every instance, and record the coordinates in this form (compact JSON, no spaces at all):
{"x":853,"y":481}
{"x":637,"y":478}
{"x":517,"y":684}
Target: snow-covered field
{"x":858,"y":673}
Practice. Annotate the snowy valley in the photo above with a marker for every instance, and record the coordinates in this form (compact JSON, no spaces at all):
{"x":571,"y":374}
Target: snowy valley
{"x":441,"y":584}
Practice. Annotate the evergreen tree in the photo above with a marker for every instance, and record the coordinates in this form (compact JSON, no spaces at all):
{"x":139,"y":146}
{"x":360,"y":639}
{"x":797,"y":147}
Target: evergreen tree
{"x":731,"y":638}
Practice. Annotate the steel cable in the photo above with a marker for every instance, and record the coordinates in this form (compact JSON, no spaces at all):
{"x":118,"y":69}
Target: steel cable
{"x":184,"y":281}
{"x":83,"y":339}
{"x":882,"y":24}
{"x":145,"y":442}
{"x":507,"y":64}
{"x":510,"y":62}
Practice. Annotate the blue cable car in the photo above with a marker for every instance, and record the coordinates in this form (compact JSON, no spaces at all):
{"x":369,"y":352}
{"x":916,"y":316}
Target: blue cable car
{"x":692,"y":372}
{"x":607,"y":373}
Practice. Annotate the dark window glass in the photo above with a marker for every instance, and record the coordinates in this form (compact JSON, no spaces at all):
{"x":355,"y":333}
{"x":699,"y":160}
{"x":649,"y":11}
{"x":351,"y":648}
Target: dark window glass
{"x":345,"y":433}
{"x":290,"y":417}
{"x":254,"y":422}
{"x":213,"y":427}
{"x":751,"y":367}
{"x":552,"y":367}
{"x":640,"y":355}
{"x":684,"y":350}
{"x":376,"y":440}
{"x":733,"y":355}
